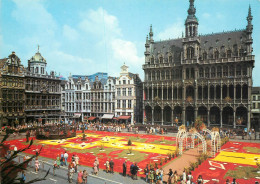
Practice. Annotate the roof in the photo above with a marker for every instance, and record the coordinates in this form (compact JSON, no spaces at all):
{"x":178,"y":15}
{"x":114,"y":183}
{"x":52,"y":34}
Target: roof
{"x":38,"y":58}
{"x":214,"y":40}
{"x":255,"y":90}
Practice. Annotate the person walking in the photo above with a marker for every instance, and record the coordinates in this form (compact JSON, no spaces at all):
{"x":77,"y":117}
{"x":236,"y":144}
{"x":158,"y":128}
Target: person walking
{"x":107,"y":166}
{"x":111,"y":164}
{"x":135,"y":171}
{"x":70,"y":174}
{"x":85,"y":177}
{"x":170,"y":176}
{"x":80,"y":177}
{"x":66,"y":157}
{"x":61,"y":159}
{"x":184,"y":176}
{"x":124,"y":168}
{"x":146,"y":172}
{"x":23,"y":178}
{"x":95,"y":168}
{"x":37,"y":165}
{"x":151,"y":176}
{"x":58,"y":161}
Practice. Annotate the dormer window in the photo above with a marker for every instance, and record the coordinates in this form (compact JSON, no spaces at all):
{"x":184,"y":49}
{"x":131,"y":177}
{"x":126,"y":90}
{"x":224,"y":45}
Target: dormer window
{"x":170,"y":59}
{"x":161,"y":59}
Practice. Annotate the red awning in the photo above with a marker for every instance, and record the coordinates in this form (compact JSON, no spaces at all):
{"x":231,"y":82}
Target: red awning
{"x":124,"y":117}
{"x":91,"y":118}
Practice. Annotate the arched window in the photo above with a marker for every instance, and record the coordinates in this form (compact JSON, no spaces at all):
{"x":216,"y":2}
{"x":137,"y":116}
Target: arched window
{"x":152,"y":60}
{"x":238,"y":70}
{"x":235,"y":51}
{"x":216,"y":54}
{"x":219,"y":71}
{"x":190,"y":53}
{"x":241,"y":52}
{"x":153,"y":75}
{"x":205,"y":56}
{"x":158,"y":75}
{"x":201,"y":72}
{"x":225,"y":71}
{"x":161,"y":59}
{"x":245,"y":71}
{"x":211,"y":53}
{"x":223,"y":53}
{"x":213,"y":72}
{"x":163,"y":75}
{"x":229,"y":53}
{"x":167,"y":74}
{"x":170,"y":59}
{"x":207,"y":72}
{"x":231,"y":71}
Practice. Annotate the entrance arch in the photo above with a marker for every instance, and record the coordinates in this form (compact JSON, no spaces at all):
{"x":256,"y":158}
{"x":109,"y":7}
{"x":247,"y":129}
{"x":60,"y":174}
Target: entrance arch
{"x":228,"y":115}
{"x":167,"y":114}
{"x":189,"y":114}
{"x":157,"y":114}
{"x":148,"y":113}
{"x":241,"y":116}
{"x":177,"y":113}
{"x":214,"y":115}
{"x":203,"y":114}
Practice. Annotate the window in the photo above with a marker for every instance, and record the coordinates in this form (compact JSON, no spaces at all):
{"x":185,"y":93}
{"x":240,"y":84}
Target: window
{"x":152,"y":60}
{"x":254,"y":98}
{"x":241,"y":52}
{"x":204,"y":56}
{"x":229,"y":54}
{"x":216,"y":54}
{"x":124,"y":91}
{"x":207,"y":72}
{"x":244,"y":70}
{"x":161,"y":59}
{"x":118,"y":91}
{"x":190,"y":53}
{"x":124,"y":104}
{"x":128,"y":81}
{"x":158,"y":75}
{"x":253,"y":105}
{"x":201,"y":73}
{"x":167,"y":75}
{"x":129,"y":91}
{"x":170,"y":59}
{"x":213,"y":72}
{"x":238,"y":70}
{"x":124,"y":81}
{"x":232,"y":71}
{"x":219,"y":71}
{"x":153,"y":75}
{"x":163,"y":75}
{"x":225,"y":71}
{"x":129,"y":104}
{"x":36,"y":70}
{"x":119,"y":82}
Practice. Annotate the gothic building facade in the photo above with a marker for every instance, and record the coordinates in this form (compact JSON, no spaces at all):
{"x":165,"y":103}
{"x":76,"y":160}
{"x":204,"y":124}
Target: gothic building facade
{"x":12,"y":98}
{"x":42,"y":92}
{"x":206,"y":76}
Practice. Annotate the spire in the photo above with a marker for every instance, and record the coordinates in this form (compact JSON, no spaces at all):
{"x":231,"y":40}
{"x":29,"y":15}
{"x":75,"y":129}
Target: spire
{"x":38,"y":48}
{"x":249,"y":19}
{"x":151,"y":33}
{"x":191,"y":22}
{"x":191,"y":13}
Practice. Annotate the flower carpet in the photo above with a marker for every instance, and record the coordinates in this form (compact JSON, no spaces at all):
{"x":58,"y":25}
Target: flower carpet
{"x":236,"y":160}
{"x":145,"y":149}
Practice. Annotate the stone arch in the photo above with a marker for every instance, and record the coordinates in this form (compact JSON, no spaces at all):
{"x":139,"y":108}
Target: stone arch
{"x":215,"y":143}
{"x":228,"y":115}
{"x":148,"y":112}
{"x":157,"y":114}
{"x":203,"y":114}
{"x":214,"y":115}
{"x":241,"y":116}
{"x":190,"y":92}
{"x":177,"y":113}
{"x":189,"y":114}
{"x":167,"y":114}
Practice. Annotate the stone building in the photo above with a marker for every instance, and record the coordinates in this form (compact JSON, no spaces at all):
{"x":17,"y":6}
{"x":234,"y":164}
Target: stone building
{"x":12,"y":97}
{"x":207,"y":76}
{"x":255,"y":109}
{"x":128,"y":106}
{"x":42,"y":92}
{"x":89,"y":99}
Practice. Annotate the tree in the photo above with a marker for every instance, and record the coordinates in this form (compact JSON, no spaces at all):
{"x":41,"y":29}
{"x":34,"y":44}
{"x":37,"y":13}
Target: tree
{"x":10,"y":169}
{"x":199,"y":125}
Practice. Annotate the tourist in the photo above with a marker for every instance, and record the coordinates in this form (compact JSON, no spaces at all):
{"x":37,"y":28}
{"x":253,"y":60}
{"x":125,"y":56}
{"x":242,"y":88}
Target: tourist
{"x":161,"y":173}
{"x":190,"y":177}
{"x":37,"y":165}
{"x":234,"y":181}
{"x":15,"y":149}
{"x":135,"y":171}
{"x":74,"y":165}
{"x":124,"y":168}
{"x":189,"y":181}
{"x":111,"y":164}
{"x":175,"y":178}
{"x":66,"y":157}
{"x":200,"y":180}
{"x":61,"y":159}
{"x":58,"y":161}
{"x":97,"y":161}
{"x":70,"y":174}
{"x":107,"y":166}
{"x":85,"y":177}
{"x":157,"y":175}
{"x":77,"y":162}
{"x":227,"y":181}
{"x":170,"y":176}
{"x":184,"y":176}
{"x":80,"y":179}
{"x":146,"y":172}
{"x":55,"y":166}
{"x":132,"y":170}
{"x":23,"y":178}
{"x":95,"y":168}
{"x":151,"y":176}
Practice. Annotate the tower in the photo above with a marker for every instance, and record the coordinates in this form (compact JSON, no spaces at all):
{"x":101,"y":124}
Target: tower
{"x":249,"y":31}
{"x":191,"y":23}
{"x":37,"y":64}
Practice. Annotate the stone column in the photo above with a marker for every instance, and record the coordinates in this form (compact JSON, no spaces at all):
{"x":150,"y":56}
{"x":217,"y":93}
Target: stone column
{"x":196,"y":113}
{"x":167,"y":92}
{"x":152,"y":116}
{"x":162,"y":91}
{"x":221,"y":92}
{"x":248,"y":119}
{"x":221,"y":122}
{"x":208,"y":117}
{"x":162,"y":116}
{"x":234,"y":118}
{"x":152,"y":92}
{"x":172,"y":90}
{"x":172,"y":118}
{"x":183,"y":115}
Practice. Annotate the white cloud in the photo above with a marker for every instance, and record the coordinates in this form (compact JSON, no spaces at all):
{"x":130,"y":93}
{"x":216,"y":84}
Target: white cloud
{"x":70,"y":33}
{"x":173,"y":31}
{"x":206,"y":15}
{"x":100,"y":23}
{"x":126,"y":51}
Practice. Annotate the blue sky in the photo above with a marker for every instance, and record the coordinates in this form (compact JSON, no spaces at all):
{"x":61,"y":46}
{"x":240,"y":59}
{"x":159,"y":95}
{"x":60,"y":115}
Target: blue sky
{"x":88,"y":36}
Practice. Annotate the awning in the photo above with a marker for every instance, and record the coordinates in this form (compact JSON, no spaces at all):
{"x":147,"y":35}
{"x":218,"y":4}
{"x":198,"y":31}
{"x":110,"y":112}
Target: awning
{"x":77,"y":115}
{"x":107,"y":116}
{"x":91,"y":118}
{"x":124,"y":117}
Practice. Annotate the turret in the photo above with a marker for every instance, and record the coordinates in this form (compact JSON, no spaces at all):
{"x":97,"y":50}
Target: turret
{"x":191,"y":23}
{"x":151,"y":34}
{"x":249,"y":30}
